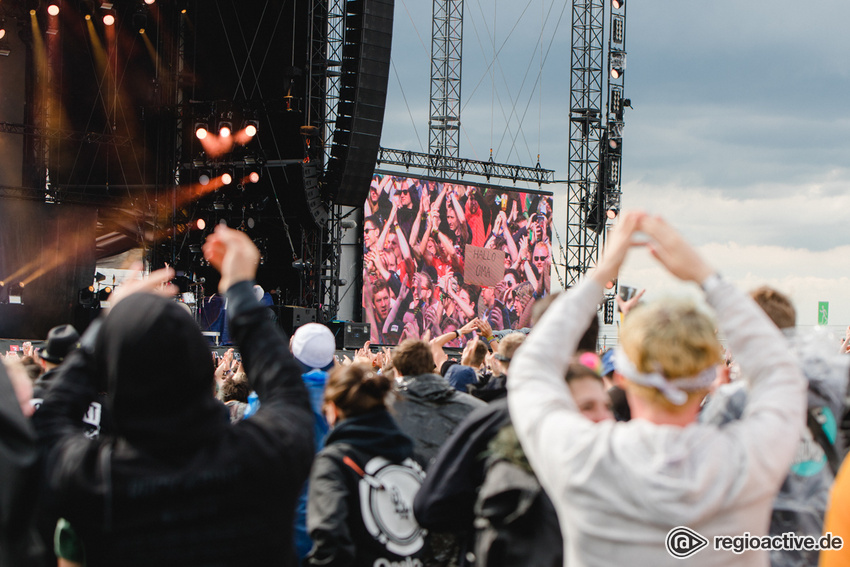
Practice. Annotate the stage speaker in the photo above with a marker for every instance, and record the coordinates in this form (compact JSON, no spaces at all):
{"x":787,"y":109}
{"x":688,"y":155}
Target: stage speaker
{"x":310,"y":174}
{"x":365,"y":71}
{"x":292,"y":317}
{"x":350,"y":335}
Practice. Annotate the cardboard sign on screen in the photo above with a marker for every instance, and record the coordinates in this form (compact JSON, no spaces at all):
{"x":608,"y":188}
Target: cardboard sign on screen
{"x":483,"y":266}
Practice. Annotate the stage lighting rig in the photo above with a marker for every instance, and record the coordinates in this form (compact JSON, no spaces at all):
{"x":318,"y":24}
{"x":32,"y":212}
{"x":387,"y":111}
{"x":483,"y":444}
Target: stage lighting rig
{"x":251,"y":127}
{"x":618,"y":64}
{"x":201,"y":130}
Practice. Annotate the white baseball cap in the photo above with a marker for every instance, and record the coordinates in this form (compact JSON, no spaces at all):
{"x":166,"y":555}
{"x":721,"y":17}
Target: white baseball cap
{"x":314,"y":345}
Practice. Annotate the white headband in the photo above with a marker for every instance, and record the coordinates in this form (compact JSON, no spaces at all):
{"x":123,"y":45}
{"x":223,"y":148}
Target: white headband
{"x":676,"y":391}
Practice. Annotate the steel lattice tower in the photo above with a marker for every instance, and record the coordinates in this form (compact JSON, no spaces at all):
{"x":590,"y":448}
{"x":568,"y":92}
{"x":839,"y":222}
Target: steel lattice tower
{"x":585,"y":133}
{"x":446,"y":45}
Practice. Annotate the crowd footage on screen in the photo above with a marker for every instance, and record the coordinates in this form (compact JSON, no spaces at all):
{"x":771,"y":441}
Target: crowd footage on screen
{"x":416,"y":237}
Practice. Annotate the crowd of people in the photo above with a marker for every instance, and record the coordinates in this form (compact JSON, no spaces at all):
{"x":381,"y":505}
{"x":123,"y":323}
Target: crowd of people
{"x":530,"y":449}
{"x":416,"y":235}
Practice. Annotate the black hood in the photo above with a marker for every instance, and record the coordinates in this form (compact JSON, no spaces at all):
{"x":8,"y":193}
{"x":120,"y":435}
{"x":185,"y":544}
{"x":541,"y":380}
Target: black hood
{"x":158,"y":371}
{"x":375,"y":433}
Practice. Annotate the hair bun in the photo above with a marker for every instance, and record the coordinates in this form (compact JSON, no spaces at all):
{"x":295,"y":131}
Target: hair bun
{"x":375,"y":384}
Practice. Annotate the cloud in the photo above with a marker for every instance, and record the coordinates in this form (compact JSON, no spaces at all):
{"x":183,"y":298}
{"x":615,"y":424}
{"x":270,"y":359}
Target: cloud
{"x":811,"y":216}
{"x":806,"y":277}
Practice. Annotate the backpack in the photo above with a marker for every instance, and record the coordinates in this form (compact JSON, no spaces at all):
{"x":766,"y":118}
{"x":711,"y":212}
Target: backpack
{"x":515,"y":522}
{"x":387,"y":491}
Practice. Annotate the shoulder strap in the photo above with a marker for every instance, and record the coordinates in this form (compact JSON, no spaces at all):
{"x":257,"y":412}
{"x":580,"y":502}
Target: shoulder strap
{"x":822,"y":440}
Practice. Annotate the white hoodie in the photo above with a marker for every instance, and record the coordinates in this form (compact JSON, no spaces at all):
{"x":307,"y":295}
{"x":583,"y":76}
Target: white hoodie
{"x":619,"y":488}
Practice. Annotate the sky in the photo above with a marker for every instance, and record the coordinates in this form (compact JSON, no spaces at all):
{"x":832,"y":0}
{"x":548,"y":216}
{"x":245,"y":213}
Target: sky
{"x":738,"y":133}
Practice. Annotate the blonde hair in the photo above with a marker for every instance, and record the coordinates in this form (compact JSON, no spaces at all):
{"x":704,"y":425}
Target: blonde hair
{"x":673,"y":337}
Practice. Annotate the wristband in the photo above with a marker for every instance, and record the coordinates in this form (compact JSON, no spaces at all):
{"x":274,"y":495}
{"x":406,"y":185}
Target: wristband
{"x":457,"y":333}
{"x":490,"y":339}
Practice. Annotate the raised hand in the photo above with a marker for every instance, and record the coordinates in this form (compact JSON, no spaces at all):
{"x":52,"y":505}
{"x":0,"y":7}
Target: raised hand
{"x":232,"y":253}
{"x":157,"y":283}
{"x":626,"y":306}
{"x":673,"y":251}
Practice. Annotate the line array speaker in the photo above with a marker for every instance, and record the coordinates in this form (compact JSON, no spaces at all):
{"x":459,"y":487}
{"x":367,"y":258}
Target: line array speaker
{"x":362,"y":98}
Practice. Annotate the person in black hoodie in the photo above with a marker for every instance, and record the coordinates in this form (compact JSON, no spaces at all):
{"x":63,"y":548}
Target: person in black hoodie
{"x":156,"y":491}
{"x":19,"y":542}
{"x":360,"y":506}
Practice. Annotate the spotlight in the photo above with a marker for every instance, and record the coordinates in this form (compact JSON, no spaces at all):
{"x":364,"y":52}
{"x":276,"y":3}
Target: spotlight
{"x":149,"y":2}
{"x":2,"y":29}
{"x":614,"y":171}
{"x":201,"y":130}
{"x":251,"y":128}
{"x":201,"y":224}
{"x":86,"y":296}
{"x":204,"y":177}
{"x":618,"y":64}
{"x":254,"y":176}
{"x":225,"y":129}
{"x":618,"y":33}
{"x":108,"y":20}
{"x":227,"y":177}
{"x":612,"y":213}
{"x":617,"y":102}
{"x":103,"y":297}
{"x":53,"y":9}
{"x":617,"y":4}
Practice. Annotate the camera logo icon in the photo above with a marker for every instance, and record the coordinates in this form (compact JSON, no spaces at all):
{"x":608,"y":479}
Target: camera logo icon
{"x":684,"y":542}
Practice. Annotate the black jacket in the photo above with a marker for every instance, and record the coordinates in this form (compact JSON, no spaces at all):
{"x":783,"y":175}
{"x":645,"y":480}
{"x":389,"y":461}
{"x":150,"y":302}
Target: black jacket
{"x":429,"y":410}
{"x":177,"y":484}
{"x":446,"y":501}
{"x":19,"y":544}
{"x":348,"y":520}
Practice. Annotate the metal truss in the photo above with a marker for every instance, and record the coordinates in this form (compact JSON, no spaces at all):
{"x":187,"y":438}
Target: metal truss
{"x":317,"y":66}
{"x":615,"y":106}
{"x":73,"y":136}
{"x":334,"y":41}
{"x":585,"y":135}
{"x":454,"y":167}
{"x":446,"y":44}
{"x":59,"y":196}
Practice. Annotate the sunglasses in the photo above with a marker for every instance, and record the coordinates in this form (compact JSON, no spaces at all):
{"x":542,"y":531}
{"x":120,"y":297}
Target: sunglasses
{"x":403,"y":191}
{"x":536,"y":258}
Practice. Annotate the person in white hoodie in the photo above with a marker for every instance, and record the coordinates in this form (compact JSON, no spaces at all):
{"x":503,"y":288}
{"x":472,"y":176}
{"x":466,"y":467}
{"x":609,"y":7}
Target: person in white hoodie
{"x":620,"y":488}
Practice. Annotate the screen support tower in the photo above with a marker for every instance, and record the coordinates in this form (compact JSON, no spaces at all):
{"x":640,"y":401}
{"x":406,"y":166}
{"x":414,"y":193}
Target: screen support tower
{"x":585,"y":134}
{"x":444,"y":117}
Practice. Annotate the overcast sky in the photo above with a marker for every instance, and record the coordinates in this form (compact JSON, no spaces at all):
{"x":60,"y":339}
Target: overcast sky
{"x":739,"y":132}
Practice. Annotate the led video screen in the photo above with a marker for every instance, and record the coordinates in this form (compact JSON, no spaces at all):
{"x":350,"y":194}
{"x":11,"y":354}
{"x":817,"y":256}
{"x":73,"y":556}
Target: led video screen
{"x":437,"y":254}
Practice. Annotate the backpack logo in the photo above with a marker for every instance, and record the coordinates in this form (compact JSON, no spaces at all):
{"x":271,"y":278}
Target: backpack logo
{"x":386,"y":503}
